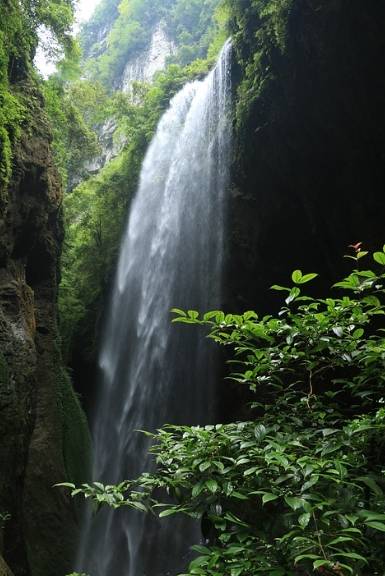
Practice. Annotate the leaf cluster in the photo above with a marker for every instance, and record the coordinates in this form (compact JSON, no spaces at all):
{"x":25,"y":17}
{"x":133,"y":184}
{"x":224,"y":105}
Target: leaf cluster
{"x":300,"y":488}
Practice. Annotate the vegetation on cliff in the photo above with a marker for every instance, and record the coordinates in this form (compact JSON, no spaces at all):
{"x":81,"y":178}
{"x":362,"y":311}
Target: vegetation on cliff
{"x":82,"y":110}
{"x":19,"y":26}
{"x":300,"y":488}
{"x":40,"y":413}
{"x":192,"y":25}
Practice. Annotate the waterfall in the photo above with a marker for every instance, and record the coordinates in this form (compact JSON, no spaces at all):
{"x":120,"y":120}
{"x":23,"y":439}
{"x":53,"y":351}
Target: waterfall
{"x":154,"y":372}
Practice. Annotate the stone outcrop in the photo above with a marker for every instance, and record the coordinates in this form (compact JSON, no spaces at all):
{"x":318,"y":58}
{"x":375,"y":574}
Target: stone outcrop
{"x":309,"y":174}
{"x":140,"y":67}
{"x":144,"y":66}
{"x":38,"y":533}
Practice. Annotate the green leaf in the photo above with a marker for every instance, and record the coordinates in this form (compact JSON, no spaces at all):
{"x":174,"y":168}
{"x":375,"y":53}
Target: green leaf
{"x":235,"y":549}
{"x":352,"y":555}
{"x":178,"y":311}
{"x":372,"y":484}
{"x":346,"y":567}
{"x":199,"y":561}
{"x":142,"y":507}
{"x":294,"y":503}
{"x":379,"y":257}
{"x":277,"y":287}
{"x":193,"y":314}
{"x":294,"y":292}
{"x":269,"y":497}
{"x":210,"y":315}
{"x":296,"y":276}
{"x":304,"y":519}
{"x":201,"y":549}
{"x":372,"y":300}
{"x":212,"y":485}
{"x":197,"y":489}
{"x":358,"y":333}
{"x":340,"y":539}
{"x":238,"y":495}
{"x":260,"y":432}
{"x":376,"y":526}
{"x":250,"y":315}
{"x":369,"y":515}
{"x":307,"y":278}
{"x":250,"y":471}
{"x":322,"y":562}
{"x":305,"y":557}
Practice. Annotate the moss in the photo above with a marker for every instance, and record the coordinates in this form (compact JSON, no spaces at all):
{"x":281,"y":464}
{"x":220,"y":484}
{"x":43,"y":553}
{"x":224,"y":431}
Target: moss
{"x":76,"y":437}
{"x":11,"y":116}
{"x":261,"y":33}
{"x":4,"y":375}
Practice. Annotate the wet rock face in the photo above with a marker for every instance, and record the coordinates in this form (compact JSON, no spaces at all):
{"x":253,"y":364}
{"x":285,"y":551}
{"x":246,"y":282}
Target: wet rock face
{"x":144,"y":66}
{"x":309,"y":174}
{"x":141,"y":67}
{"x":37,"y":536}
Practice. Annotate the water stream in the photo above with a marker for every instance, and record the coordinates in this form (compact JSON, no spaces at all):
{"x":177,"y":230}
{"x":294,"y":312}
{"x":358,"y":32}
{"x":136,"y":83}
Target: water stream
{"x":154,"y":372}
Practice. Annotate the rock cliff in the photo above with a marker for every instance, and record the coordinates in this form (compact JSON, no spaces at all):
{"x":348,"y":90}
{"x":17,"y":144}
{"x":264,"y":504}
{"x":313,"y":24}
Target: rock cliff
{"x":140,"y":67}
{"x":38,"y":526}
{"x":309,"y":171}
{"x":144,"y":66}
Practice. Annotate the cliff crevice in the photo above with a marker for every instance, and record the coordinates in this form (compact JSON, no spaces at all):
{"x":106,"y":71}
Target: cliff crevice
{"x":40,"y":530}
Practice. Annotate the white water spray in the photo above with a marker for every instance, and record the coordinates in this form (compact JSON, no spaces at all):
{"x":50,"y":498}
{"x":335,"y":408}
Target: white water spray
{"x":154,"y":372}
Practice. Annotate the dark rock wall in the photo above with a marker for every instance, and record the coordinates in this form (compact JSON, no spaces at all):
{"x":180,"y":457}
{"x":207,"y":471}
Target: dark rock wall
{"x":39,"y":536}
{"x":309,"y":169}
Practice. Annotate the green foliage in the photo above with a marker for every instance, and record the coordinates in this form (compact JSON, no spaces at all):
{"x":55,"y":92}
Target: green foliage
{"x":76,"y":437}
{"x":80,"y":109}
{"x":75,"y":109}
{"x":301,"y":487}
{"x":260,"y":31}
{"x":11,"y":109}
{"x":19,"y":24}
{"x":55,"y":15}
{"x":196,"y":27}
{"x":4,"y":375}
{"x":94,"y":216}
{"x":95,"y":210}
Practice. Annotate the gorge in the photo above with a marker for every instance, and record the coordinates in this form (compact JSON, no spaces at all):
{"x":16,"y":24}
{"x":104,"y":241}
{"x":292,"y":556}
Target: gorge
{"x":236,"y":168}
{"x":152,"y":373}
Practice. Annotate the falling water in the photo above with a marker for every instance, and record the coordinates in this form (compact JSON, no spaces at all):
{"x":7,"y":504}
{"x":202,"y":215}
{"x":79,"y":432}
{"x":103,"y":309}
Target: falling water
{"x":154,"y":372}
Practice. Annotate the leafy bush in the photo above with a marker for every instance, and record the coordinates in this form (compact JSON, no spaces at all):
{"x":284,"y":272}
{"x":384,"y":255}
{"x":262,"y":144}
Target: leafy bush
{"x":71,"y":108}
{"x":299,"y":488}
{"x":20,"y":21}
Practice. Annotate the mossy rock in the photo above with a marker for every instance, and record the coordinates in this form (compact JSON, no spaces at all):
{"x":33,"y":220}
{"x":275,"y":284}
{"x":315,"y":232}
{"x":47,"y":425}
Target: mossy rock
{"x":76,"y":436}
{"x":4,"y":375}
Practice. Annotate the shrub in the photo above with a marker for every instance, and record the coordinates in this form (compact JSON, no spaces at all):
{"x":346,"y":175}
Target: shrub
{"x":299,"y":488}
